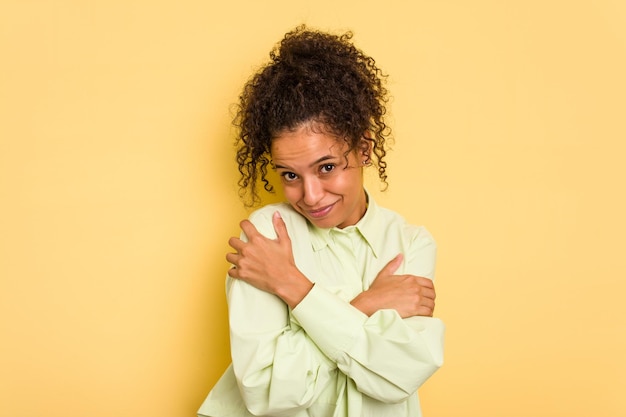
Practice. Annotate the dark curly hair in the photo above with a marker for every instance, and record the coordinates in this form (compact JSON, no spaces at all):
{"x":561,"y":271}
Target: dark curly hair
{"x":312,"y":77}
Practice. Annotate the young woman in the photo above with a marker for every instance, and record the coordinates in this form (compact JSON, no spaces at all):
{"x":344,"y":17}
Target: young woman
{"x":330,"y":295}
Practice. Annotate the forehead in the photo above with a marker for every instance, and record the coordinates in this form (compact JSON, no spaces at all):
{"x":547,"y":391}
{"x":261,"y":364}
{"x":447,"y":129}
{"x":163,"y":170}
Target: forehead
{"x":304,"y":144}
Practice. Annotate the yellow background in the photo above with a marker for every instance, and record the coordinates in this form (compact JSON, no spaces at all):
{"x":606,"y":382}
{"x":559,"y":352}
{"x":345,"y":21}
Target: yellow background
{"x":118,"y":195}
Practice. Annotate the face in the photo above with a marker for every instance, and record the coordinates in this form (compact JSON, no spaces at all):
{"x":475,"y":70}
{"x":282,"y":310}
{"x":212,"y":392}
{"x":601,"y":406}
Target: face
{"x":315,"y":178}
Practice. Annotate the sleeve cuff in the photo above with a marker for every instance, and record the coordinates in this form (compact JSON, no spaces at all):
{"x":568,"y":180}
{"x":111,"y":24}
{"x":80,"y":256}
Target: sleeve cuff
{"x":332,"y":323}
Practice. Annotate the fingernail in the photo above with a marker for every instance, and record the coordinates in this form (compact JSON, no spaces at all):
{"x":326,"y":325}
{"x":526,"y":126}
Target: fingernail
{"x":277,"y":214}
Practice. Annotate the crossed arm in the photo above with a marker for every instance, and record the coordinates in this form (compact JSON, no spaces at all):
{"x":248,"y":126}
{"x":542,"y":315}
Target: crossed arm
{"x":283,"y":362}
{"x":268,"y":265}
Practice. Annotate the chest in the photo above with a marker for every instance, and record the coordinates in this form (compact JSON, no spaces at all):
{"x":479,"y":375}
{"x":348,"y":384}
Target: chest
{"x":348,"y":264}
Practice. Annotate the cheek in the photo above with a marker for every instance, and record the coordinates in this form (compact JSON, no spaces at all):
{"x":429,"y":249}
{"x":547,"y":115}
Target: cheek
{"x":347,"y":184}
{"x":292,"y":193}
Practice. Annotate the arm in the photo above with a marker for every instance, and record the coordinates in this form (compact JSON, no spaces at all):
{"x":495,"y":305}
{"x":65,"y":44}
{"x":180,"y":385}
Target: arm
{"x":386,"y":355}
{"x":408,"y":294}
{"x":277,"y":366}
{"x":268,"y":264}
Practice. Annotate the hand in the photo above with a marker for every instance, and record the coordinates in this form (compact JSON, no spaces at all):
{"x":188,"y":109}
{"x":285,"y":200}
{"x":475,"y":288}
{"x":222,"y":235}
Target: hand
{"x":409,"y":295}
{"x":268,"y":264}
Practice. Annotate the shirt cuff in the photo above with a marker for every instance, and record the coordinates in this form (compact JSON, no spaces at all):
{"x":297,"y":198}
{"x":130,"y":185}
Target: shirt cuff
{"x":332,"y":323}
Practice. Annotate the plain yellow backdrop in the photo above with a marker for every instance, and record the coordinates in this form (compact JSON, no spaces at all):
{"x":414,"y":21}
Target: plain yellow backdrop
{"x":118,"y":195}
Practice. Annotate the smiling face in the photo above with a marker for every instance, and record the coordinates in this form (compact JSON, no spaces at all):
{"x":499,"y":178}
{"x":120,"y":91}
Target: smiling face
{"x":316,"y":180}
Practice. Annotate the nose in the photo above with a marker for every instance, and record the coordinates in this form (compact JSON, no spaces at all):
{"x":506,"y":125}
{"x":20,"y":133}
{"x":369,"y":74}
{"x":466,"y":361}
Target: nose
{"x":313,"y":191}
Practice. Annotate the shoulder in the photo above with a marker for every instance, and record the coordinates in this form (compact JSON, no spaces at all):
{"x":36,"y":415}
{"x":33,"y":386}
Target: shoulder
{"x":261,"y":218}
{"x":418,"y":234}
{"x":417,"y":244}
{"x":266,"y":212}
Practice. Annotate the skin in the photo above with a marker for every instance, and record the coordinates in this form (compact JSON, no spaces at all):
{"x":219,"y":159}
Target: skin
{"x":322,"y":186}
{"x":317,"y":180}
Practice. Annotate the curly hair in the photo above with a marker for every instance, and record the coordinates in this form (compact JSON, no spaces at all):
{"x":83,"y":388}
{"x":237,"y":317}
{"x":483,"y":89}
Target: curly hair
{"x":315,"y":77}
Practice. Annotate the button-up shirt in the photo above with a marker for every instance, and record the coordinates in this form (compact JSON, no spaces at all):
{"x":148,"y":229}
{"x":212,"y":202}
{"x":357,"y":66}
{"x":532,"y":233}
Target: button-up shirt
{"x":325,"y":358}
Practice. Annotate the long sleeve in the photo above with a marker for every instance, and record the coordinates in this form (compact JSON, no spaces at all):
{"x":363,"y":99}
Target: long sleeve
{"x":278,"y":368}
{"x":388,"y":357}
{"x":325,"y":357}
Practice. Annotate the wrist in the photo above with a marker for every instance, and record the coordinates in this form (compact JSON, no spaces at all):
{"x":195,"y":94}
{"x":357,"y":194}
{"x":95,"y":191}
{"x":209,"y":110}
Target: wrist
{"x":294,"y":289}
{"x":361,"y":303}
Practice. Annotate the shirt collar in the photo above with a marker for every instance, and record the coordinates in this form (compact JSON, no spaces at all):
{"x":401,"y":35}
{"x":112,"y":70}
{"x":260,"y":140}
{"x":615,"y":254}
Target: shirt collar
{"x":368,"y":227}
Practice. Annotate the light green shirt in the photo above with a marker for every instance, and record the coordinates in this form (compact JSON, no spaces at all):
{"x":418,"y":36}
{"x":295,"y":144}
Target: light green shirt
{"x":326,"y":358}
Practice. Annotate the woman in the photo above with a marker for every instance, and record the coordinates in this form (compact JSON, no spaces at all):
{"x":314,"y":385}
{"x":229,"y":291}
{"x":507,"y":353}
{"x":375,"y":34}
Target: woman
{"x":330,"y":296}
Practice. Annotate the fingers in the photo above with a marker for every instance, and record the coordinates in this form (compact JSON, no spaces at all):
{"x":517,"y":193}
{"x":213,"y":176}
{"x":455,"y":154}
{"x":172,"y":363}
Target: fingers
{"x":426,"y":308}
{"x":425,"y":282}
{"x":236,"y":243}
{"x":254,"y":245}
{"x":234,"y":272}
{"x":279,"y":226}
{"x":250,"y":235}
{"x":392,"y":266}
{"x":428,"y":293}
{"x":233,"y":258}
{"x":425,"y":287}
{"x":425,"y":311}
{"x":248,"y":229}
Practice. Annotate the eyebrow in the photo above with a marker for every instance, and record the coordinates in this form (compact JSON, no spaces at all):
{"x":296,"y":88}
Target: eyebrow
{"x":316,"y":162}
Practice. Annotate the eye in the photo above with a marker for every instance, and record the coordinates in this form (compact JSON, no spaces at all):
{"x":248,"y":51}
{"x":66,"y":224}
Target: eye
{"x":289,"y":176}
{"x":327,"y":168}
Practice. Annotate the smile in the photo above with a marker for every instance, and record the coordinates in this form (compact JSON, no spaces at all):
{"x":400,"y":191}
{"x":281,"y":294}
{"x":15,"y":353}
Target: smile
{"x":320,"y":212}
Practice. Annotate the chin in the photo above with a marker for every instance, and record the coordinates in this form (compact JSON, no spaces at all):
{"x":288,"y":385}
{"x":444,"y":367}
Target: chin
{"x":323,"y":223}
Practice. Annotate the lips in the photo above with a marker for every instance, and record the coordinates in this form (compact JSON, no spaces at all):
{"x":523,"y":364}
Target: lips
{"x":321,"y":212}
